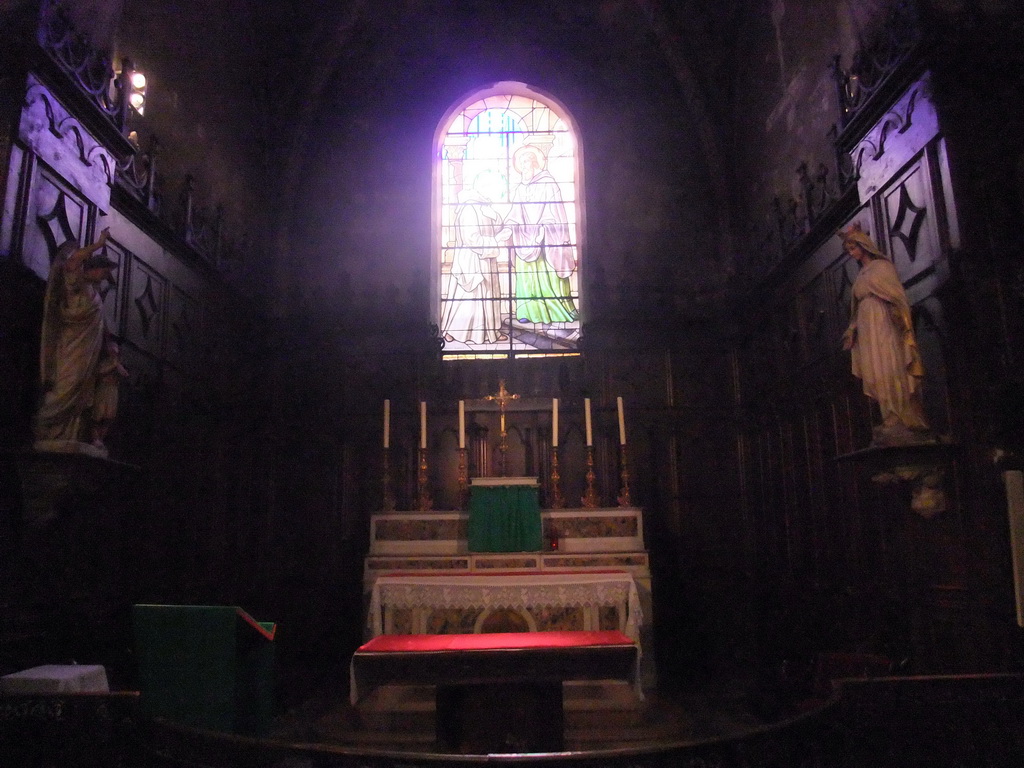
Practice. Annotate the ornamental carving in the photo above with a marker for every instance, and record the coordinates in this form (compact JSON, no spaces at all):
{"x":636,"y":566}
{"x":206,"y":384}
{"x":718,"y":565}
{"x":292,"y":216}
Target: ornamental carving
{"x":907,"y":225}
{"x":62,"y":142}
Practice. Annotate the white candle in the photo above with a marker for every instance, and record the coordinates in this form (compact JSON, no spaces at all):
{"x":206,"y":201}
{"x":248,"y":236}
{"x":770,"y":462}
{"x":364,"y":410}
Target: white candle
{"x":423,"y":424}
{"x":586,"y":418}
{"x":622,"y":424}
{"x":462,"y":423}
{"x":554,"y":422}
{"x":387,"y":423}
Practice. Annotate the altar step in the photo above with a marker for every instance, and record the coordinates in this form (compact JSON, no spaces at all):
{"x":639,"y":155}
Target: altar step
{"x":598,"y":714}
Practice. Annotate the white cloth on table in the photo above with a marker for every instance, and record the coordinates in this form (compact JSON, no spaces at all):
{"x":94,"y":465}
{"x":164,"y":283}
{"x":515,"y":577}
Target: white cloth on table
{"x":57,"y":678}
{"x":507,"y":591}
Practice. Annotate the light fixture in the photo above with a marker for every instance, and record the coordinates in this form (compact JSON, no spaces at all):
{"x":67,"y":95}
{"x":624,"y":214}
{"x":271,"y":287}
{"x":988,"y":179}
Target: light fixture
{"x":137,"y":96}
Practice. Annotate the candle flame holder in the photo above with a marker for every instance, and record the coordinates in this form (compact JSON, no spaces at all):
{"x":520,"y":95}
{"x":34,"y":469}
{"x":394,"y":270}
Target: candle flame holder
{"x":624,"y":500}
{"x":463,"y":478}
{"x":556,"y":501}
{"x":503,"y":449}
{"x":423,"y":495}
{"x":590,"y":497}
{"x":388,"y":502}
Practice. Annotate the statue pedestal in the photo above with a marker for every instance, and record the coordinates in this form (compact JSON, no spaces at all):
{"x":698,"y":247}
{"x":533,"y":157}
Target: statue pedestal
{"x":72,"y":476}
{"x":71,"y":446}
{"x":921,"y":465}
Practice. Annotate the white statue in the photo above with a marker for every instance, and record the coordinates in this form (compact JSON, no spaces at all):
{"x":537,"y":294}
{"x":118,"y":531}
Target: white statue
{"x":79,"y":361}
{"x":881,"y":341}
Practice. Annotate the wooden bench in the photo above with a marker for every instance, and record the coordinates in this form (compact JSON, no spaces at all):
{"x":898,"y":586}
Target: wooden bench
{"x":499,"y":692}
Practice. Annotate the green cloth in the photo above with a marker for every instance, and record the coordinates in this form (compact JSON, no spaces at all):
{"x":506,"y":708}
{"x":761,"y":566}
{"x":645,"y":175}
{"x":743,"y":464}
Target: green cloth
{"x":206,"y":666}
{"x":504,"y":518}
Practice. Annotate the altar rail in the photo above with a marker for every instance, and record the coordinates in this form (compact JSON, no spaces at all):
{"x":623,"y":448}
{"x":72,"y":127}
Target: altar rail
{"x":973,"y":720}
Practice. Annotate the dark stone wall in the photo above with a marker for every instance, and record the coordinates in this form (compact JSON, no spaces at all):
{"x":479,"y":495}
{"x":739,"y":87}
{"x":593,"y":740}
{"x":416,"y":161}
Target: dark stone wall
{"x":361,"y":223}
{"x":787,"y":107}
{"x":208,"y":105}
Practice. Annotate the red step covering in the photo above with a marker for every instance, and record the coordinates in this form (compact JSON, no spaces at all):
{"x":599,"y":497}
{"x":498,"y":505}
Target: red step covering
{"x":492,"y":641}
{"x":531,"y":572}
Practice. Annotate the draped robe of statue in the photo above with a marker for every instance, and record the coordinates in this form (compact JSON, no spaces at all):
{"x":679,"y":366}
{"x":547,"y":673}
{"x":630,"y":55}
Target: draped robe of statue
{"x":471,"y":314}
{"x":545,"y":259}
{"x":72,"y":344}
{"x":884,"y":354}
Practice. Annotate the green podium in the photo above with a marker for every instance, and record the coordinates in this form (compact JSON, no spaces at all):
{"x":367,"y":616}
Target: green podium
{"x":206,"y":666}
{"x":504,"y":515}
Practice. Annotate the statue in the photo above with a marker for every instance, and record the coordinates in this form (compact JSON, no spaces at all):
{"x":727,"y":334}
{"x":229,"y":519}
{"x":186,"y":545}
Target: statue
{"x":79,"y":360}
{"x":881,"y":341}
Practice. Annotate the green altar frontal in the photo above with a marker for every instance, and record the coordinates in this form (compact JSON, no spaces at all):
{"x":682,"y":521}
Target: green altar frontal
{"x":504,"y":515}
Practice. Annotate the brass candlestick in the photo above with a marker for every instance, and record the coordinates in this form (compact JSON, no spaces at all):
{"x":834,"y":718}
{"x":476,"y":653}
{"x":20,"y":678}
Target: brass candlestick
{"x":590,"y":497}
{"x":502,"y":447}
{"x":624,"y":500}
{"x":423,"y":495}
{"x":389,"y":496}
{"x":463,"y":479}
{"x":556,"y":501}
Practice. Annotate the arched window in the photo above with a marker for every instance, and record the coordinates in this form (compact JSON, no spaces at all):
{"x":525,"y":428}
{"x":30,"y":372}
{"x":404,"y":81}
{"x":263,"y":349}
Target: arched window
{"x":507,"y":223}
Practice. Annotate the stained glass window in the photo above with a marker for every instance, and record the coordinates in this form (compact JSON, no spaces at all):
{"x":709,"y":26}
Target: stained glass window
{"x":509,"y":229}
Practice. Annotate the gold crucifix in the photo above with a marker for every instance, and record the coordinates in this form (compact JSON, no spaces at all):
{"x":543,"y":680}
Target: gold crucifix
{"x":502,"y":398}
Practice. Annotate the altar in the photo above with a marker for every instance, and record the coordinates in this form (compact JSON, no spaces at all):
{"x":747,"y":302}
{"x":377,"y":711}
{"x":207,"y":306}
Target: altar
{"x":593,"y":574}
{"x":497,"y":562}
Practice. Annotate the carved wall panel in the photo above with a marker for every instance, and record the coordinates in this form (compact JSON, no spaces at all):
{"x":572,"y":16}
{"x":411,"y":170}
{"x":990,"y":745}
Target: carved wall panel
{"x":908,"y":206}
{"x":818,"y":320}
{"x":185,"y":327}
{"x":756,"y":375}
{"x":630,"y":378}
{"x":698,"y":379}
{"x":113,"y":291}
{"x":137,"y":411}
{"x":146,"y":308}
{"x":785,"y":335}
{"x":54,"y":211}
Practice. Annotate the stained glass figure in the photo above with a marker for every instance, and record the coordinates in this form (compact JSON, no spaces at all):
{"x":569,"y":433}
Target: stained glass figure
{"x":509,"y":253}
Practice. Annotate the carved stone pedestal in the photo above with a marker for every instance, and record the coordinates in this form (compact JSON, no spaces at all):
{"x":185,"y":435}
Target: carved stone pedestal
{"x":75,"y":477}
{"x":921,"y":465}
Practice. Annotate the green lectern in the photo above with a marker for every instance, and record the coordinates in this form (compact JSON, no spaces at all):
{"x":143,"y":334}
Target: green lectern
{"x":504,"y":514}
{"x":207,"y":666}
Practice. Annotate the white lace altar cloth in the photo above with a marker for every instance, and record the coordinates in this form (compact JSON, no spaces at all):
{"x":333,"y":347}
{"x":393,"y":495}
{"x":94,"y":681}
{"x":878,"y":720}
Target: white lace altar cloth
{"x":510,"y":591}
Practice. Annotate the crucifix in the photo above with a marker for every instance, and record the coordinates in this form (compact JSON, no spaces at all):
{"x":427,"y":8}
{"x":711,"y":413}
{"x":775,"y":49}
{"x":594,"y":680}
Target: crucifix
{"x":502,"y":398}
